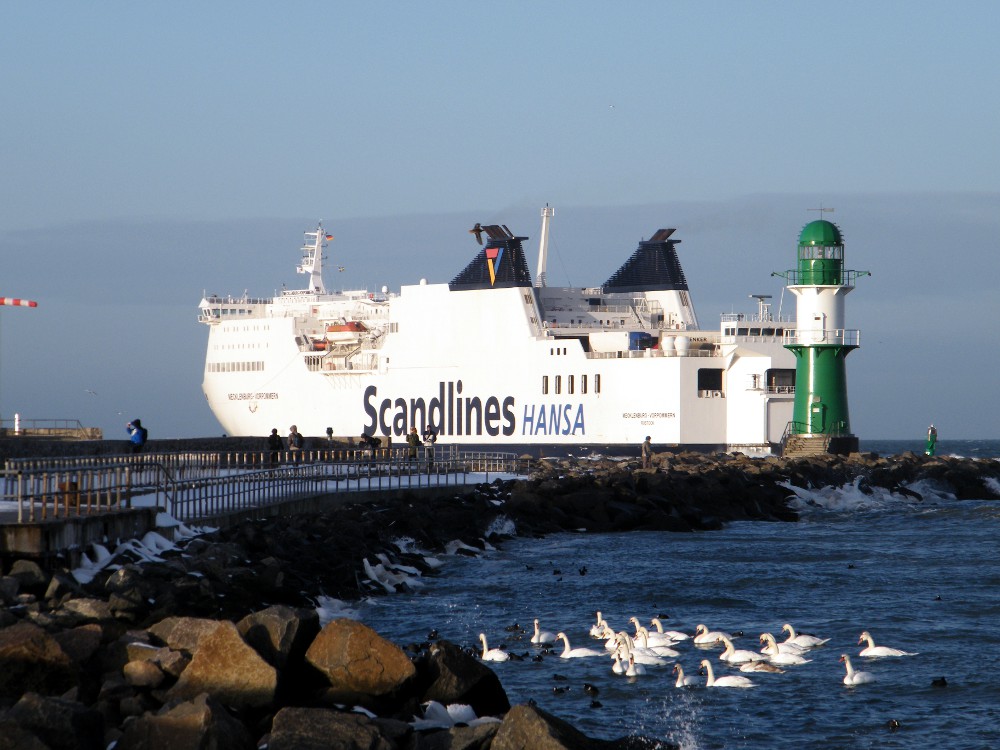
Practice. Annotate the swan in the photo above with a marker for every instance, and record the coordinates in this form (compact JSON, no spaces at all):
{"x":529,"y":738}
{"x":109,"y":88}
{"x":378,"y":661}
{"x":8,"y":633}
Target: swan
{"x":542,"y":636}
{"x":654,"y":638}
{"x":705,"y":637}
{"x":598,"y":627}
{"x":675,"y":635}
{"x":610,"y":639}
{"x":771,"y":646}
{"x":873,"y":650}
{"x":761,"y":666}
{"x":642,"y":656}
{"x":683,"y":681}
{"x":634,"y":670}
{"x":492,"y":654}
{"x":738,"y":656}
{"x":852,"y":677}
{"x":658,"y":649}
{"x":776,"y":656}
{"x":618,"y":667}
{"x":574,"y":653}
{"x":729,"y":680}
{"x":803,"y":640}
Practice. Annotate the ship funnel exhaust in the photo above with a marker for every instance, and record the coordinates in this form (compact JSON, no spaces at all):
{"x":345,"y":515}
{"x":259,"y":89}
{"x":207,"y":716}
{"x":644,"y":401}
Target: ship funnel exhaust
{"x":543,"y":245}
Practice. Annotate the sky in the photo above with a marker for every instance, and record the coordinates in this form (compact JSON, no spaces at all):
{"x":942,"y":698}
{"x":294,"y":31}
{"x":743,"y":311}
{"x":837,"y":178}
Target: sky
{"x":154,"y":152}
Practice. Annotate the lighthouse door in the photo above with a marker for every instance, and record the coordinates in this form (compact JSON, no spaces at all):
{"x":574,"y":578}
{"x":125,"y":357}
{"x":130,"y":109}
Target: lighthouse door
{"x":817,"y":417}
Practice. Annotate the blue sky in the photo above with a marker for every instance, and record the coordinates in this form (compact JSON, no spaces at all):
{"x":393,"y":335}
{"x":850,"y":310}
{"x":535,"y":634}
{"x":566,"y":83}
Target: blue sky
{"x":155,"y":151}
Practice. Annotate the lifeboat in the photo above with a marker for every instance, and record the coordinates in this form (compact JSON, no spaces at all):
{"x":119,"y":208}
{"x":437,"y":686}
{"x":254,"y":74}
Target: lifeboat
{"x":345,"y":331}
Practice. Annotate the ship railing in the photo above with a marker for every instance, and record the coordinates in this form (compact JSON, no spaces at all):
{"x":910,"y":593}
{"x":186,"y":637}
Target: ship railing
{"x":653,"y":353}
{"x":833,"y":336}
{"x":780,"y":390}
{"x":755,"y":318}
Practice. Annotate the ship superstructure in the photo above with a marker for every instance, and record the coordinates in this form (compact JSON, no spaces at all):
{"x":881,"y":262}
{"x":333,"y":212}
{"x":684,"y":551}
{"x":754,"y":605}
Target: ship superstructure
{"x":495,"y":358}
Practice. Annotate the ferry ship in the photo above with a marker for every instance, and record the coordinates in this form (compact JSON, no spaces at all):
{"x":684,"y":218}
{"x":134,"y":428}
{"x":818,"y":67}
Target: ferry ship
{"x":496,"y":359}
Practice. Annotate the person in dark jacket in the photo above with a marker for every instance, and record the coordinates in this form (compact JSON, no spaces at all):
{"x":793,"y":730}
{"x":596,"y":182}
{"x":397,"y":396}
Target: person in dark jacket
{"x":137,"y":435}
{"x":412,"y":442}
{"x":274,"y":445}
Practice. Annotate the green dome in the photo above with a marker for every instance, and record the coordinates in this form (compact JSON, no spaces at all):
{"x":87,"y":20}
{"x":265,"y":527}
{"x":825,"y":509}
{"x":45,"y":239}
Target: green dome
{"x":820,"y":232}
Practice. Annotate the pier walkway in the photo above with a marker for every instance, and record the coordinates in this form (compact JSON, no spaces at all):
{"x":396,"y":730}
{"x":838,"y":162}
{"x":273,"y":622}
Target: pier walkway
{"x":57,"y":507}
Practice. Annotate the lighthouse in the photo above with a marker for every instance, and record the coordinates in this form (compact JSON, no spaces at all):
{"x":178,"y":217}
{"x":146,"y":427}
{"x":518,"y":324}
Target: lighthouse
{"x":821,"y":342}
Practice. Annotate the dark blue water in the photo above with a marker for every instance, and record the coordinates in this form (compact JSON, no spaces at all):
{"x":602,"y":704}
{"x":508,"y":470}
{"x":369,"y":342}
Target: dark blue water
{"x":921,"y":576}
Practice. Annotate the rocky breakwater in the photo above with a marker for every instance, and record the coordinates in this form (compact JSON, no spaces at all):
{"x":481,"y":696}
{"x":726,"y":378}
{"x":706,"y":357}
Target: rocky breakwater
{"x":218,"y":644}
{"x":273,"y":679}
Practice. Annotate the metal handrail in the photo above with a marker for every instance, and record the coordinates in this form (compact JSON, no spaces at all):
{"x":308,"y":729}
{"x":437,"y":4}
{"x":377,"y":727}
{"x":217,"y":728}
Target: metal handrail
{"x":194,"y":485}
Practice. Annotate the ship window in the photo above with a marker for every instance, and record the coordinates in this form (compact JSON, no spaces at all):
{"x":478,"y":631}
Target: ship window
{"x":569,"y":384}
{"x":709,"y":379}
{"x":545,"y":383}
{"x":558,"y":383}
{"x":597,"y":383}
{"x":583,"y":384}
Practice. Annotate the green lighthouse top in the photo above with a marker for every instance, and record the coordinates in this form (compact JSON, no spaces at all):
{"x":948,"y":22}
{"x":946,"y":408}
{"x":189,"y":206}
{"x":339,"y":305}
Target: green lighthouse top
{"x":821,"y":232}
{"x":821,"y":254}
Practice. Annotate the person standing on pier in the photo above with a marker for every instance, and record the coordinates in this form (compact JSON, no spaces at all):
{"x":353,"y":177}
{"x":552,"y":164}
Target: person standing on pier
{"x":412,"y":442}
{"x":430,"y":437}
{"x":274,"y":446}
{"x":137,"y":435}
{"x":647,"y":453}
{"x":295,"y":442}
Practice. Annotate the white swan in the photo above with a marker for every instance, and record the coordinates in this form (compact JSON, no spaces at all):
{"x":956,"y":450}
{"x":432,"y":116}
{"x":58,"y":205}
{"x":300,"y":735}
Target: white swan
{"x":618,"y":667}
{"x":542,"y":636}
{"x":705,"y":637}
{"x":873,"y":650}
{"x":634,"y":670}
{"x":734,"y":656}
{"x":683,"y":681}
{"x":598,"y":627}
{"x":776,"y":655}
{"x":852,"y":677}
{"x":772,"y":647}
{"x":610,"y":639}
{"x":675,"y":635}
{"x":804,"y":640}
{"x":492,"y":654}
{"x":574,"y":653}
{"x":642,"y":642}
{"x":642,"y":656}
{"x":729,"y":680}
{"x":652,"y":639}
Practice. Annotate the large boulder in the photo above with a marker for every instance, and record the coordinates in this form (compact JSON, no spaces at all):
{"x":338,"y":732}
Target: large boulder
{"x":183,"y":633}
{"x":529,"y":728}
{"x":449,"y":675}
{"x":60,"y":724}
{"x":326,"y":729}
{"x":32,"y":660}
{"x":357,"y":662}
{"x":280,"y":634}
{"x":226,"y":668}
{"x":196,"y":724}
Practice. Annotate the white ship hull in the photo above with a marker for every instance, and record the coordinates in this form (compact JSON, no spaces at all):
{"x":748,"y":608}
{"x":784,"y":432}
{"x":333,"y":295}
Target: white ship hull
{"x":509,"y":367}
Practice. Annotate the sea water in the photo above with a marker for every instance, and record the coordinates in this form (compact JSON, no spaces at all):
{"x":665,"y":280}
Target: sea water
{"x":922,"y":576}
